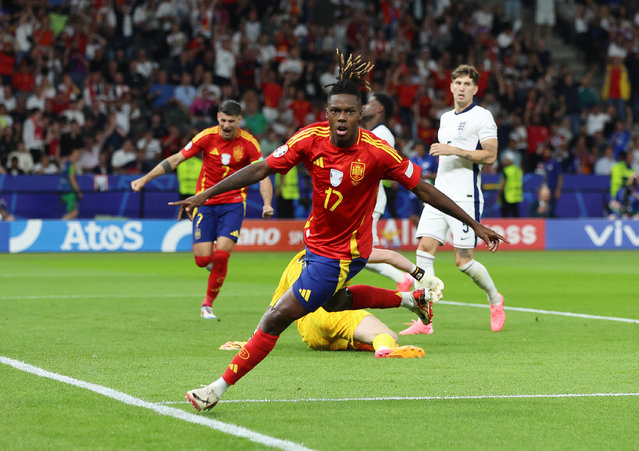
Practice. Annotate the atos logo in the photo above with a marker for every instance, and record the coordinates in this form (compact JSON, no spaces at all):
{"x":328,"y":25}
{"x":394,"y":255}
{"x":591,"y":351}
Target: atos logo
{"x":108,"y":237}
{"x":618,"y":232}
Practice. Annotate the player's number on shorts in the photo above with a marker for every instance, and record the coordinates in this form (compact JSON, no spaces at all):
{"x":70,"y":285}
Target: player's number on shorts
{"x":466,"y":228}
{"x":329,"y":192}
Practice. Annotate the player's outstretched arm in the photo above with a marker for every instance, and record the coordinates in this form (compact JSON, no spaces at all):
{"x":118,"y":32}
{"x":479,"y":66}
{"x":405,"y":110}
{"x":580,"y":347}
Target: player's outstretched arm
{"x":246,"y":176}
{"x":266,"y":191}
{"x":429,"y":194}
{"x":164,"y":167}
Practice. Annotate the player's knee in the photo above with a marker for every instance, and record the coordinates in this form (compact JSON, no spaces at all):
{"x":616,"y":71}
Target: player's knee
{"x":342,"y":300}
{"x":202,"y":261}
{"x":275,"y":321}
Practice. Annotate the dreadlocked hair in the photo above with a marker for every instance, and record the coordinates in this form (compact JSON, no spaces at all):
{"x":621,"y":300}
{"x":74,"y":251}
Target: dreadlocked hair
{"x":351,"y":75}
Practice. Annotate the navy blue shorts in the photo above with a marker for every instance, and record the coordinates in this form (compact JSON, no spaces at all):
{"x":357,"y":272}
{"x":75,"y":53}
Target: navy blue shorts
{"x":322,"y":277}
{"x":213,"y":221}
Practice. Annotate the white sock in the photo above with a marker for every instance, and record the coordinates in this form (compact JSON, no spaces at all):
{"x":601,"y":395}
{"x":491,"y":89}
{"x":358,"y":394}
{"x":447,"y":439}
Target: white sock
{"x":480,"y":276}
{"x":386,"y":270}
{"x":219,"y":386}
{"x":426,"y":261}
{"x":408,"y":300}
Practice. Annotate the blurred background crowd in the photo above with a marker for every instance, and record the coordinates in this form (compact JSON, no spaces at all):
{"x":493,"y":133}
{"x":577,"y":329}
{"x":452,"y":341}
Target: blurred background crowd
{"x":129,"y":82}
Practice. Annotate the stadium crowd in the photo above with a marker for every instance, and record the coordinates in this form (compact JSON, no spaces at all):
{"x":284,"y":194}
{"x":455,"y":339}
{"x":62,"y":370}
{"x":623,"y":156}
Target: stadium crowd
{"x":129,"y":81}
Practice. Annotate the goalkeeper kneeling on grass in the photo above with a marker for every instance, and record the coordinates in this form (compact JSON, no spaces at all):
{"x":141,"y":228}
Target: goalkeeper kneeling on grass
{"x":354,"y":329}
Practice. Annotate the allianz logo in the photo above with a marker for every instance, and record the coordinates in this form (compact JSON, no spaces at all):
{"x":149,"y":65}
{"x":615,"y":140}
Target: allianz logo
{"x":618,"y":232}
{"x":108,"y":237}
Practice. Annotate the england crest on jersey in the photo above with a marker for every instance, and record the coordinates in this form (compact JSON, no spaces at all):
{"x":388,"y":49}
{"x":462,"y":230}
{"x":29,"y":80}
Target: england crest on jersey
{"x":226,"y":158}
{"x":336,"y":177}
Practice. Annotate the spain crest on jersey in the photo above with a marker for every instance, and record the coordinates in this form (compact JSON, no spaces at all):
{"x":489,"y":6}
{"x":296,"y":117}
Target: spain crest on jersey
{"x":238,"y":153}
{"x":226,"y":158}
{"x":336,"y":177}
{"x":357,"y":171}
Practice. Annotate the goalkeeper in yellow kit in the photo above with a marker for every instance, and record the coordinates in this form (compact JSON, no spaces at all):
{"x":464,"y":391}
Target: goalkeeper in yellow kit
{"x":352,"y":329}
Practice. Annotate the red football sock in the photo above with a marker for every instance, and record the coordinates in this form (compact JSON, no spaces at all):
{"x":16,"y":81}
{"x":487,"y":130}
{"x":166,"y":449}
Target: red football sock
{"x":365,"y":296}
{"x":253,"y":352}
{"x":220,"y":261}
{"x":202,"y":262}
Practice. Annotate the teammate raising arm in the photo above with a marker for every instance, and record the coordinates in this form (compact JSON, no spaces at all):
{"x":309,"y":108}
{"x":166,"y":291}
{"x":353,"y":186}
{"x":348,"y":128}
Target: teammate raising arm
{"x":225,"y":149}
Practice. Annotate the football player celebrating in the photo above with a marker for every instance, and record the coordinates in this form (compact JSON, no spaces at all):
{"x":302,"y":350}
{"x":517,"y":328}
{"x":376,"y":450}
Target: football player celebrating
{"x":225,"y":149}
{"x":346,"y":164}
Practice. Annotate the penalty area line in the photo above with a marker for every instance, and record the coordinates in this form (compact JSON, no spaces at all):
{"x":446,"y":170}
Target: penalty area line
{"x":226,"y":428}
{"x":424,"y":398}
{"x":545,"y":312}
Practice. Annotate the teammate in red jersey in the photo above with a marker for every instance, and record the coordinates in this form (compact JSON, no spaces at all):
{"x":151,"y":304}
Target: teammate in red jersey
{"x":346,"y":164}
{"x":225,"y":150}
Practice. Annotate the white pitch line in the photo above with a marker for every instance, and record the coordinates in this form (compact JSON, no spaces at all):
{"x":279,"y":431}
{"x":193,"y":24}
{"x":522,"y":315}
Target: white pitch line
{"x":423,"y":398}
{"x":546,"y":312}
{"x":226,"y":428}
{"x":182,"y":295}
{"x":95,"y":296}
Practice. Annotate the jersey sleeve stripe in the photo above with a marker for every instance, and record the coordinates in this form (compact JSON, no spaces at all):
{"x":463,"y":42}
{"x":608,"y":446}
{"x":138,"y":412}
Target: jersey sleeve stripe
{"x":385,"y":147}
{"x":206,"y":132}
{"x":314,"y":131}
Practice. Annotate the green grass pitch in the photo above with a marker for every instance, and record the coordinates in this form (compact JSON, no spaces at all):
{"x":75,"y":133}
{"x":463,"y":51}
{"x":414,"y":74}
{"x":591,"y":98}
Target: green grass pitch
{"x":129,"y":322}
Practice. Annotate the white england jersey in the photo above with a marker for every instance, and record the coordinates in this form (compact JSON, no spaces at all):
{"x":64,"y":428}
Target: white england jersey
{"x":458,"y":178}
{"x":382,"y":132}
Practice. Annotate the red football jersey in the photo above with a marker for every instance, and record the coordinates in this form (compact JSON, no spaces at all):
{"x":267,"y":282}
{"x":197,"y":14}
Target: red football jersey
{"x":345,"y":182}
{"x":221,"y":158}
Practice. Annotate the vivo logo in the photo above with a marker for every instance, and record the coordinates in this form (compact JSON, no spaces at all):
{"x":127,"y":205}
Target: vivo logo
{"x":111,"y":237}
{"x":616,"y":231}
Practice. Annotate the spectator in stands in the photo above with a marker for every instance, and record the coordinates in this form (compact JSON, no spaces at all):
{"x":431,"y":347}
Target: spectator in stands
{"x":596,"y":119}
{"x":270,"y":142}
{"x":125,"y":160}
{"x":185,"y":92}
{"x":104,"y":164}
{"x":161,"y":92}
{"x":616,"y":87}
{"x":224,"y":70}
{"x":551,"y":171}
{"x":620,"y":139}
{"x":605,"y":162}
{"x":71,"y":138}
{"x":540,"y":208}
{"x":538,"y":137}
{"x":150,"y":149}
{"x":24,"y":159}
{"x":46,"y":166}
{"x":171,"y":140}
{"x":33,"y":133}
{"x":13,"y":167}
